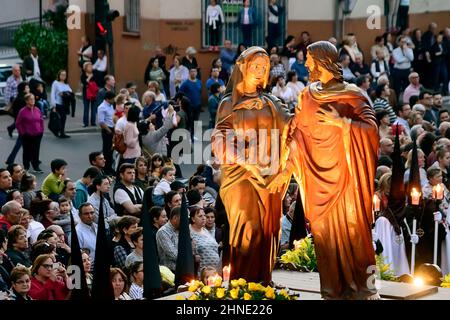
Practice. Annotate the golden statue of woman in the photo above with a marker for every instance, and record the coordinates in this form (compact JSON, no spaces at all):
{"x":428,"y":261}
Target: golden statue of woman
{"x":333,"y":155}
{"x":250,"y":125}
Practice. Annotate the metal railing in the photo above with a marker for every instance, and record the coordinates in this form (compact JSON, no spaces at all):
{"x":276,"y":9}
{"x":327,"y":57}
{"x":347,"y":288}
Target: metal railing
{"x":231,"y":29}
{"x":132,"y":15}
{"x":7,"y":30}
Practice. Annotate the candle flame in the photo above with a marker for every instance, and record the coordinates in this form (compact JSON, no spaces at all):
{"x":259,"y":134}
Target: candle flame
{"x":376,"y":203}
{"x":415,"y":193}
{"x":418,"y":282}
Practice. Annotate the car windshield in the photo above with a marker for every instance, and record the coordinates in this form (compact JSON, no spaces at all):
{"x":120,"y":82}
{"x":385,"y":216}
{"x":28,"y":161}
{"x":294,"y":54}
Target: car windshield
{"x":5,"y":73}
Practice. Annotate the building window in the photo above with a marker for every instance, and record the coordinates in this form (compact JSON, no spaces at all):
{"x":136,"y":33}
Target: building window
{"x":132,"y":16}
{"x":231,"y":29}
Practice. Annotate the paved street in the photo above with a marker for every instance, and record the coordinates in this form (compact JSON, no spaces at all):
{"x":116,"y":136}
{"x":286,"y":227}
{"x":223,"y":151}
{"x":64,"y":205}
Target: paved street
{"x":74,"y":150}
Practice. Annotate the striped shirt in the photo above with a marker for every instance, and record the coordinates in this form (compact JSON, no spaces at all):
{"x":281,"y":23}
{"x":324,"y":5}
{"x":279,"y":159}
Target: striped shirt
{"x":11,"y":88}
{"x":381,"y":104}
{"x":136,"y":292}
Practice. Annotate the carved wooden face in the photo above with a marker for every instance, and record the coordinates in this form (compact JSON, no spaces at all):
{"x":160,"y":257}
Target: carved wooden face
{"x":257,"y":71}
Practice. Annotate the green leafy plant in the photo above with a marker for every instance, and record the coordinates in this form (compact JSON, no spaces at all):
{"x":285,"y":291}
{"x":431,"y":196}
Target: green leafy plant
{"x":302,"y":258}
{"x":385,"y":271}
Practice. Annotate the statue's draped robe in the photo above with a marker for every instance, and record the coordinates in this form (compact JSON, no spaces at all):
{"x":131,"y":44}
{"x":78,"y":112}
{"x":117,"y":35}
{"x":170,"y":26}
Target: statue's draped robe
{"x":335,"y":168}
{"x":253,"y":213}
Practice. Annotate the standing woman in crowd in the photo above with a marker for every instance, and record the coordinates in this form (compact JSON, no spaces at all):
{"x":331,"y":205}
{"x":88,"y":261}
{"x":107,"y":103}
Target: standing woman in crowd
{"x":223,"y":73}
{"x":90,"y":90}
{"x":214,"y":20}
{"x":156,"y":73}
{"x":30,"y":125}
{"x":154,"y":87}
{"x":205,"y":244}
{"x":247,"y":20}
{"x":60,"y":86}
{"x":119,"y":283}
{"x":49,"y":279}
{"x":85,"y":52}
{"x":178,"y":74}
{"x":131,"y":136}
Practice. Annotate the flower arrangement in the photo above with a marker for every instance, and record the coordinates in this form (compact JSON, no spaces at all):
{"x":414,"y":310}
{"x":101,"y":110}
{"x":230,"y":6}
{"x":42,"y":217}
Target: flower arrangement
{"x":384,"y":269}
{"x":237,"y":290}
{"x":302,"y":258}
{"x":446,"y":281}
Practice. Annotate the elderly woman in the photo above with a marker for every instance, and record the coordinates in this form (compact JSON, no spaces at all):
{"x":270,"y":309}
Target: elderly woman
{"x":178,"y":74}
{"x":49,"y":279}
{"x":18,"y":246}
{"x":20,"y":284}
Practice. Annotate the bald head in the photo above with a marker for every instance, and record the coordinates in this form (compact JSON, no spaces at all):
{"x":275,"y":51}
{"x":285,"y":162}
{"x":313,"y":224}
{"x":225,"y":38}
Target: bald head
{"x":382,"y":170}
{"x":443,"y":127}
{"x":413,"y":78}
{"x":386,"y":146}
{"x":12,"y":212}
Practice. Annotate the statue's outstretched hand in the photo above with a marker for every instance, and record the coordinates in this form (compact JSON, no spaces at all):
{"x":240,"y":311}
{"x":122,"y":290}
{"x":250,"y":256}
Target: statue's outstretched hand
{"x":328,"y":115}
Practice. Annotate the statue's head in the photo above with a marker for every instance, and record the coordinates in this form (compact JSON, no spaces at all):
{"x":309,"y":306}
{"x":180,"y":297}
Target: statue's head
{"x":322,"y":61}
{"x":251,"y":71}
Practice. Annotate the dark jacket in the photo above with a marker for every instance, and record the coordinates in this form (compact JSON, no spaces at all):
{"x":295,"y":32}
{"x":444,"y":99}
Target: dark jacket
{"x":209,"y":177}
{"x":18,"y":257}
{"x":28,"y":65}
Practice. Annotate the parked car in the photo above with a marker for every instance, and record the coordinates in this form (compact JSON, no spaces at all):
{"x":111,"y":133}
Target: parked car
{"x":5,"y":72}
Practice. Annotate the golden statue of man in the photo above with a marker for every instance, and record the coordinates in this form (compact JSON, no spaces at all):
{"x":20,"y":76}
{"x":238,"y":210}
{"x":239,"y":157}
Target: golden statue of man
{"x":333,"y":155}
{"x":250,"y":125}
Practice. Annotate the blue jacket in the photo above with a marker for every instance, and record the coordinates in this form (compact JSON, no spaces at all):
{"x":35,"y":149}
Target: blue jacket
{"x":193,"y":90}
{"x":251,"y":16}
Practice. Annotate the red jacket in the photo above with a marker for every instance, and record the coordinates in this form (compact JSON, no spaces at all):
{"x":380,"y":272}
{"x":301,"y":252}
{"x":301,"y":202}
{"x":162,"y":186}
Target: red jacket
{"x":51,"y":290}
{"x":4,"y":224}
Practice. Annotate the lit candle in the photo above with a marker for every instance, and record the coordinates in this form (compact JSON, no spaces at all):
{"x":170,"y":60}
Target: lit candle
{"x":211,"y":281}
{"x":376,"y":203}
{"x":438,"y":192}
{"x":226,"y":273}
{"x":415,"y":197}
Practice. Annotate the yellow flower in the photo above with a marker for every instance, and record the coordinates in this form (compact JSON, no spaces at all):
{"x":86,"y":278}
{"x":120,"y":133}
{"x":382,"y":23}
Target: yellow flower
{"x":253,"y":286}
{"x":193,"y":288}
{"x":220,"y":293}
{"x":262,"y":288}
{"x":284,"y":293}
{"x":247,"y":296}
{"x":218,"y":282}
{"x":179,"y":298}
{"x":193,"y":297}
{"x":234,"y":293}
{"x":234,"y":283}
{"x":242,"y":282}
{"x":270,"y":293}
{"x":206,"y":289}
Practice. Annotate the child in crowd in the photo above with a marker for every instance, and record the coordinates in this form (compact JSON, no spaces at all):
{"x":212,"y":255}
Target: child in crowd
{"x":156,"y":166}
{"x":63,"y":220}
